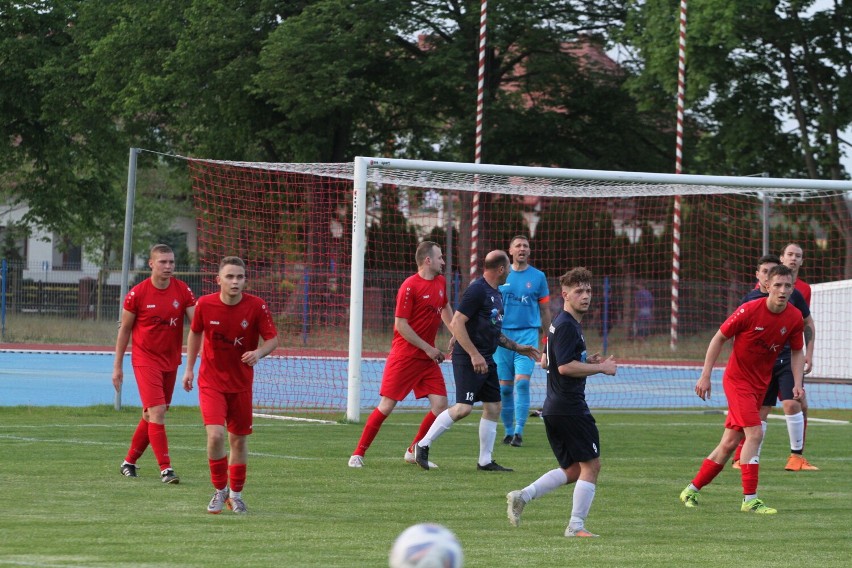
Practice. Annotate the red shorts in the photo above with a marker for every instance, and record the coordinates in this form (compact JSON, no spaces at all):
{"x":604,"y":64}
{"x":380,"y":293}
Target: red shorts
{"x":743,"y":404}
{"x":155,"y":386}
{"x":231,"y":409}
{"x":404,"y":374}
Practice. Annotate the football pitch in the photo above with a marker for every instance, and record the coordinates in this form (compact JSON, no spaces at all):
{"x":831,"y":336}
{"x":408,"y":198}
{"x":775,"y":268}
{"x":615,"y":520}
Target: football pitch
{"x":66,"y":505}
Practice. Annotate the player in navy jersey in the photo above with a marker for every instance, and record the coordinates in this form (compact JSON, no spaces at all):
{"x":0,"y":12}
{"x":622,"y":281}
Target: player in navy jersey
{"x":761,"y":328}
{"x":781,"y":385}
{"x":476,"y":325}
{"x":570,"y":426}
{"x":526,"y":316}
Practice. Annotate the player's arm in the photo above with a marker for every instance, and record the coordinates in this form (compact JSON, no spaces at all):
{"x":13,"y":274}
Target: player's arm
{"x":580,"y":369}
{"x":267,"y":346}
{"x":544,"y":310}
{"x":190,"y":313}
{"x":797,"y":365}
{"x":457,"y":326}
{"x":447,"y":318}
{"x":411,"y":336}
{"x":702,"y":387}
{"x":193,"y":347}
{"x":528,"y":350}
{"x":125,"y":326}
{"x":810,"y":334}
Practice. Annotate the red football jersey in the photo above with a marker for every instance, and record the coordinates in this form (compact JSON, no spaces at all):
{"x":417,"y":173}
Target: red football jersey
{"x":760,"y":336}
{"x":420,"y":301}
{"x":804,"y":289}
{"x":230,"y":331}
{"x":157,"y":333}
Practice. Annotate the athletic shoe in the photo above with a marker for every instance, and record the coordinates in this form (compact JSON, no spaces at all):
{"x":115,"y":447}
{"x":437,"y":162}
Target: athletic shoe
{"x":128,"y":470}
{"x":797,"y":462}
{"x":421,"y":456}
{"x":569,"y":532}
{"x":516,"y":507}
{"x":736,"y":464}
{"x":168,"y":476}
{"x":756,"y":506}
{"x":507,"y":440}
{"x":236,"y":505}
{"x":517,"y":441}
{"x":689,"y":497}
{"x":356,"y":461}
{"x":217,"y":502}
{"x":493,"y":466}
{"x":411,"y":458}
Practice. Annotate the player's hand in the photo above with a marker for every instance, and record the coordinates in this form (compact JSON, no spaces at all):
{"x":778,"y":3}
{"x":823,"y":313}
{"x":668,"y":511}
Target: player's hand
{"x":117,"y":378}
{"x":798,"y":393}
{"x":188,"y":376}
{"x":593,"y":359}
{"x":250,"y":358}
{"x":435,"y":354}
{"x":479,"y":364}
{"x":451,"y":343}
{"x":530,"y":351}
{"x":608,"y":365}
{"x":702,"y":387}
{"x":543,"y":361}
{"x":808,"y":366}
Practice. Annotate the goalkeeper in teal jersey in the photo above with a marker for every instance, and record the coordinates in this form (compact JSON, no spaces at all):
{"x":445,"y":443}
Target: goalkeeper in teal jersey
{"x":526,"y":317}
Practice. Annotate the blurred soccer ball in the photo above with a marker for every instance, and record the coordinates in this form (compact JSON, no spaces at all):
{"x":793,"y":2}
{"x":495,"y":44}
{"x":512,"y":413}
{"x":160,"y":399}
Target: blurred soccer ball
{"x":426,"y":546}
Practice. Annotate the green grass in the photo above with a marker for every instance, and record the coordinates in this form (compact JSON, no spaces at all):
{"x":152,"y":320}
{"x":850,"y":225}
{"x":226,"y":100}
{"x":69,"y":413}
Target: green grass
{"x":65,"y":503}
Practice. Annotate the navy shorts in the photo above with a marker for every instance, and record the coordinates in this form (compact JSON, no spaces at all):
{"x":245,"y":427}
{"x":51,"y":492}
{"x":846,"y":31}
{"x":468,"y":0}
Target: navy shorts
{"x":782,"y":383}
{"x":573,"y":439}
{"x":472,"y":386}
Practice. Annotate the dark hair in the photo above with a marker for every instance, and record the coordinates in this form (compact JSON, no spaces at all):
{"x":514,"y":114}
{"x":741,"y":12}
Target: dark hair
{"x":767,"y":259}
{"x":232,"y":260}
{"x":579,"y":275}
{"x":424,"y":249}
{"x":780,"y":270}
{"x":516,"y":237}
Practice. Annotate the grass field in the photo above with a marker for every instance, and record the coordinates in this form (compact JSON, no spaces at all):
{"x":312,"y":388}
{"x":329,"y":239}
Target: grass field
{"x":67,"y":506}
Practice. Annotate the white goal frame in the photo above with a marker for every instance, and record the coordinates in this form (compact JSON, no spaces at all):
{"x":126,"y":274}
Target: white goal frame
{"x":458,"y":176}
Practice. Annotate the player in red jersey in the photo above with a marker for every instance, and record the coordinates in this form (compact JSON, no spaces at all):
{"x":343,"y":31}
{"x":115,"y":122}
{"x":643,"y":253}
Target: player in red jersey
{"x":414,"y":361}
{"x":153,"y":314}
{"x":796,"y":411}
{"x":237,"y":332}
{"x":761,"y":328}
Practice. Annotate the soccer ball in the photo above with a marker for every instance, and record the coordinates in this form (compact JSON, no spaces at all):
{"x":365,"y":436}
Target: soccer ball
{"x":426,"y":545}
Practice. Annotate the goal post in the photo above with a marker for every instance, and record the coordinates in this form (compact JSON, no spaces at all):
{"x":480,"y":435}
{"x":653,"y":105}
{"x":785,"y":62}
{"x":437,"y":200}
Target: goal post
{"x":327,"y":245}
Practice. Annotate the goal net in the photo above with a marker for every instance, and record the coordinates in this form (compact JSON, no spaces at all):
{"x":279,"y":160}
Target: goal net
{"x":327,"y":246}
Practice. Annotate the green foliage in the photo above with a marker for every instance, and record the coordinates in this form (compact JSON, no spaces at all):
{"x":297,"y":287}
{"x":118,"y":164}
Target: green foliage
{"x":307,"y":508}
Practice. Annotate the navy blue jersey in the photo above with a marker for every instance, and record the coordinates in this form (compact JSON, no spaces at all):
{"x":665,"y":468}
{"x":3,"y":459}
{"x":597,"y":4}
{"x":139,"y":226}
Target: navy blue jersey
{"x":566,"y":396}
{"x":796,"y":299}
{"x":483,"y":306}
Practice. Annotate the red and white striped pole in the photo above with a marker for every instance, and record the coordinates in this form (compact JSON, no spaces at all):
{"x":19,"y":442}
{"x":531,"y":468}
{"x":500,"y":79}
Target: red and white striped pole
{"x":681,"y":88}
{"x":477,"y":155}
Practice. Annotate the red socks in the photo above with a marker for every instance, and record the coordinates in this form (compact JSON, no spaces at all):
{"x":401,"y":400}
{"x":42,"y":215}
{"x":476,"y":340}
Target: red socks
{"x":160,"y":444}
{"x":138,"y":443}
{"x":371,"y":428}
{"x":237,"y":472}
{"x":709,"y":470}
{"x":219,"y":472}
{"x":749,"y":475}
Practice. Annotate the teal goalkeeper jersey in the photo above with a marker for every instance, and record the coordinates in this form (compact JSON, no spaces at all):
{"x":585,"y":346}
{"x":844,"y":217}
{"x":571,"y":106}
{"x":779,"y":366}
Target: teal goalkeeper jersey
{"x":522,"y":293}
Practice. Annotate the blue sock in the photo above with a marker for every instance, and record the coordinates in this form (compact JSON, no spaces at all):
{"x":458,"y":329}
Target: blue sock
{"x":522,"y":406}
{"x":507,"y":413}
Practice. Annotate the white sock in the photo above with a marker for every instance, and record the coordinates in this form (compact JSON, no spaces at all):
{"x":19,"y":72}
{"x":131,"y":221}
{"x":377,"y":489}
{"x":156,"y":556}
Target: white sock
{"x":487,"y":435}
{"x":442,"y":424}
{"x":796,"y":430}
{"x":551,"y":480}
{"x":237,"y":494}
{"x":763,"y":425}
{"x":584,"y":494}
